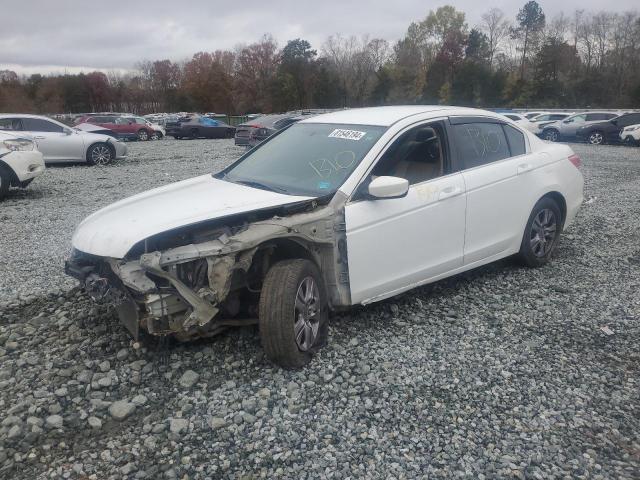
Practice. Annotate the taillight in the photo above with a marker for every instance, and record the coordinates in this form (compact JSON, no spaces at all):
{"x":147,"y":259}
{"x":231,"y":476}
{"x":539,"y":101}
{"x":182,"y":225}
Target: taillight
{"x":575,"y":159}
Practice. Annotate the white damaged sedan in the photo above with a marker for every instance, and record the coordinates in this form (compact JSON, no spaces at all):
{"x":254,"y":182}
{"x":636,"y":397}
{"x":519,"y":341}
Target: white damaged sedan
{"x":341,"y":209}
{"x":20,"y":162}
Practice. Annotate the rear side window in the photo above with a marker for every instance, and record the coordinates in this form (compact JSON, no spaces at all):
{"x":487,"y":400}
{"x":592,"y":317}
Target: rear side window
{"x":515,"y":139}
{"x":558,"y":116}
{"x":39,"y":125}
{"x":10,"y":124}
{"x":480,"y":143}
{"x":598,"y":116}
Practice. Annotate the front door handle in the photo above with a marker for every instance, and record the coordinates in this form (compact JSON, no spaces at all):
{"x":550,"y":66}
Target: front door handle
{"x":449,"y":192}
{"x":524,"y":167}
{"x":39,"y":137}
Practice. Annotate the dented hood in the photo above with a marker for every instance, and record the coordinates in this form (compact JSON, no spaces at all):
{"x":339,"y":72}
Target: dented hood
{"x":112,"y":231}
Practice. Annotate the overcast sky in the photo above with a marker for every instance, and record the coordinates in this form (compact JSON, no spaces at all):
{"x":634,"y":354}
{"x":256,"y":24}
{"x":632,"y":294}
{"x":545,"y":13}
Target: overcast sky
{"x":58,"y":35}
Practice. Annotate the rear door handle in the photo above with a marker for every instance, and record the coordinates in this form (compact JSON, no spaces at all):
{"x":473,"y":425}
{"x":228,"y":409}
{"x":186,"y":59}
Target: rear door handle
{"x":524,"y":167}
{"x":449,"y":192}
{"x":39,"y":137}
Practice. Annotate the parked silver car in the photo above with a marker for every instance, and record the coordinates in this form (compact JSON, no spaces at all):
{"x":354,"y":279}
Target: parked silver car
{"x":59,"y":143}
{"x":566,"y":129}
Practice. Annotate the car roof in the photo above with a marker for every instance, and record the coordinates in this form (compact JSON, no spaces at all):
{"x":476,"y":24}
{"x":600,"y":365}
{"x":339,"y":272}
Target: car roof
{"x":387,"y":116}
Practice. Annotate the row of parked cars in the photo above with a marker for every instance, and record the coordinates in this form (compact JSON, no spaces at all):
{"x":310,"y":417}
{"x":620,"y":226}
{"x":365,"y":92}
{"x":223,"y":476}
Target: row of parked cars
{"x":122,"y":127}
{"x":595,"y":128}
{"x":28,"y":142}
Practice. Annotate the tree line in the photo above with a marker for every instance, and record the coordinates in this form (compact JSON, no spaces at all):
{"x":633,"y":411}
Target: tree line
{"x":583,"y":60}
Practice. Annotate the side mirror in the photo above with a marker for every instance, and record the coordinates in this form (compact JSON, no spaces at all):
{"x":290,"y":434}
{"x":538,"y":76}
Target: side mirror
{"x":388,"y":187}
{"x":568,"y":121}
{"x":67,"y":131}
{"x":615,"y":122}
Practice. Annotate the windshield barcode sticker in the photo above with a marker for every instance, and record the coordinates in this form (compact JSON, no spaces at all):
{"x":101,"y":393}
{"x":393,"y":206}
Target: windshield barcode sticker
{"x":347,"y":134}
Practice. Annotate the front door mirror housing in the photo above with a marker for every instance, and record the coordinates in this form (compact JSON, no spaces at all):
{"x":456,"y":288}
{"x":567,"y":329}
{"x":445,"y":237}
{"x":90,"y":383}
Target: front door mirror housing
{"x":388,"y":187}
{"x":67,"y":131}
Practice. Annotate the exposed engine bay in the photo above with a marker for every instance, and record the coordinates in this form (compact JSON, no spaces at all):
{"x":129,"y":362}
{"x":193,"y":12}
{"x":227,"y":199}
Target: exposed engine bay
{"x":198,"y":280}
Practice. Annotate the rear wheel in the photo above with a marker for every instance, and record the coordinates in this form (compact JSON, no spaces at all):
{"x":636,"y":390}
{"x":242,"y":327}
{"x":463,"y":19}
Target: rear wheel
{"x":194,"y":133}
{"x":551,"y":135}
{"x":143,"y":135}
{"x":541,"y":233}
{"x":100,"y":154}
{"x":293,"y":313}
{"x":596,"y":138}
{"x":629,"y":140}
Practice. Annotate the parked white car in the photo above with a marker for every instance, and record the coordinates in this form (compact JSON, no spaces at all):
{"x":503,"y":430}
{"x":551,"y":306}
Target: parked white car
{"x":20,"y":162}
{"x":631,"y":135}
{"x":522,"y":121}
{"x":340,"y":209}
{"x":59,"y":143}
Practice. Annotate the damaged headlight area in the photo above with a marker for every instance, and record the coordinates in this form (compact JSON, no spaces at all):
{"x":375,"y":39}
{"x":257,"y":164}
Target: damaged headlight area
{"x":169,"y":292}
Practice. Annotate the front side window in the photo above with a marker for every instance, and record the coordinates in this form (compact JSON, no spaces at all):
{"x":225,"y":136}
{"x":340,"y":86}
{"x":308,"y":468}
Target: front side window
{"x":578,"y":118}
{"x":418,"y":155}
{"x":141,"y":121}
{"x":10,"y":124}
{"x":558,"y":116}
{"x":39,"y":125}
{"x":208,"y":122}
{"x":306,"y":159}
{"x":480,"y":143}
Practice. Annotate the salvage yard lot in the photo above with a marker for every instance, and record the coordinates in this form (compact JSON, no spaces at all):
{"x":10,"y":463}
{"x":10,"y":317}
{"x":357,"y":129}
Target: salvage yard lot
{"x":501,"y":371}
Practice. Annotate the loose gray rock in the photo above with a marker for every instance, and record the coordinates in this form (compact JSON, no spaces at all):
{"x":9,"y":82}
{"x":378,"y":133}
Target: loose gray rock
{"x":189,"y":379}
{"x":121,"y":409}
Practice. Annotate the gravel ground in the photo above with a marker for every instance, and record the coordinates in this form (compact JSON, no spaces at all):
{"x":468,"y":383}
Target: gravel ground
{"x":499,"y":372}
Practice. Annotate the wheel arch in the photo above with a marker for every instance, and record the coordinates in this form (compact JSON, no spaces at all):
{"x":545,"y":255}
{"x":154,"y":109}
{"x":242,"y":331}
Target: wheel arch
{"x":98,"y":142}
{"x":560,"y":201}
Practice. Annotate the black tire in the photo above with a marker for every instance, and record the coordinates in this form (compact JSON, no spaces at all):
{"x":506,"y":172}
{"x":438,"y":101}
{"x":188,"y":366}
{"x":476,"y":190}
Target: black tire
{"x":279,"y":316}
{"x":596,"y":138}
{"x":100,"y":154}
{"x":142,"y":135}
{"x":194,"y":133}
{"x":5,"y":182}
{"x":630,"y":141}
{"x":230,"y":134}
{"x":551,"y":135}
{"x":177,"y":137}
{"x":156,"y":136}
{"x":541,"y":234}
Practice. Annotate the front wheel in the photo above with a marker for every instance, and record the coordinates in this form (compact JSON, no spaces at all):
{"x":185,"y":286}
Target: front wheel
{"x":541,"y":233}
{"x":156,"y":136}
{"x":100,"y":154}
{"x":194,"y":133}
{"x":596,"y":138}
{"x":293,"y":313}
{"x":143,"y":135}
{"x":551,"y":135}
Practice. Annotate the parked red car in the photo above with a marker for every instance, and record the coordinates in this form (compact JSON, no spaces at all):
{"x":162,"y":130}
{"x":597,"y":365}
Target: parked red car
{"x":127,"y":128}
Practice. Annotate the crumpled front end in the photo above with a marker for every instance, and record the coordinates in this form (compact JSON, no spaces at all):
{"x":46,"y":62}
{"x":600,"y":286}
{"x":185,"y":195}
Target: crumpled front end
{"x":203,"y":287}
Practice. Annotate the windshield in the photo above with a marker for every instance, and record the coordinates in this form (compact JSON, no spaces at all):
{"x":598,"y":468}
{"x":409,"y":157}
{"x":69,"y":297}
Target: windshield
{"x":306,"y":159}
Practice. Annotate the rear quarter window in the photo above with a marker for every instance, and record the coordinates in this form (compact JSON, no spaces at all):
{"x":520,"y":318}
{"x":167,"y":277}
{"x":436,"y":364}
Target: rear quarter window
{"x":515,"y":139}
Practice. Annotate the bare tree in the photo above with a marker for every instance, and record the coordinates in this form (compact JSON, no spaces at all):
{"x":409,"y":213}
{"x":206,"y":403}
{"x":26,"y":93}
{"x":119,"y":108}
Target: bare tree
{"x":497,"y":29}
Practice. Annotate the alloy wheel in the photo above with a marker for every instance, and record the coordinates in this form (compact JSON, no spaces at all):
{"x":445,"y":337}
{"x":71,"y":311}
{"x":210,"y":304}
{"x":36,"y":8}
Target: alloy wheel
{"x":543,"y":232}
{"x":143,"y":135}
{"x":596,"y":138}
{"x":101,"y":155}
{"x":306,"y":314}
{"x":552,"y":136}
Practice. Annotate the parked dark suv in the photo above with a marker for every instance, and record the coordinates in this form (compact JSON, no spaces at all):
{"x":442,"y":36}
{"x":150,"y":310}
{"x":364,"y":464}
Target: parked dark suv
{"x":609,"y":131}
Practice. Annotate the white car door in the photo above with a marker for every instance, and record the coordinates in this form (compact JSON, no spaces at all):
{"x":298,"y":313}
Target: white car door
{"x":494,"y":162}
{"x":396,"y":244}
{"x":57,"y":143}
